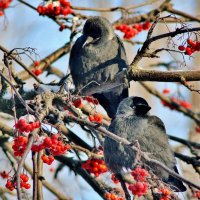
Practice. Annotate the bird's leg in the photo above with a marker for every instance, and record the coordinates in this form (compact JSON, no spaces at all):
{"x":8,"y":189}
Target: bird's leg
{"x":123,"y":184}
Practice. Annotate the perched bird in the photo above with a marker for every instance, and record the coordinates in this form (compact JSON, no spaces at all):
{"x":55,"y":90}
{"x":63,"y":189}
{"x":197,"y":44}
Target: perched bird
{"x":134,"y":123}
{"x":97,"y":56}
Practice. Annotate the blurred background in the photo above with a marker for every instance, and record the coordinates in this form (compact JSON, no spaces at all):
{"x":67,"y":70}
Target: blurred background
{"x":23,"y":27}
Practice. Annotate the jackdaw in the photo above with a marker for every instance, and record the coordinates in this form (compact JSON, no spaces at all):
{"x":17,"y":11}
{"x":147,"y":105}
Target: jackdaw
{"x":98,"y":55}
{"x":134,"y":123}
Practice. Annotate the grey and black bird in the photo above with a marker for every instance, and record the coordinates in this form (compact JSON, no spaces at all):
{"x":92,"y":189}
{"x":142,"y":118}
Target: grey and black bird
{"x":98,"y":55}
{"x":134,"y":123}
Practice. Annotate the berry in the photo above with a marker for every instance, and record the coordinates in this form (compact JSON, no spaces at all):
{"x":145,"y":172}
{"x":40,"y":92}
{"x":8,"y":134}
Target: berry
{"x":181,"y":48}
{"x":131,"y":31}
{"x":4,"y":174}
{"x":197,"y":129}
{"x":138,"y":188}
{"x":78,"y":103}
{"x":139,"y":174}
{"x":37,"y":72}
{"x":112,"y":196}
{"x":27,"y":185}
{"x":47,"y":142}
{"x":95,"y":166}
{"x":186,"y":104}
{"x":61,"y":7}
{"x":91,"y":118}
{"x":98,"y":118}
{"x":166,"y":91}
{"x":23,"y":126}
{"x":165,"y":194}
{"x":91,"y":100}
{"x":4,"y":4}
{"x":191,"y":43}
{"x":47,"y":159}
{"x":197,"y":194}
{"x":9,"y":185}
{"x":36,"y":63}
{"x":114,"y":179}
{"x":24,"y":177}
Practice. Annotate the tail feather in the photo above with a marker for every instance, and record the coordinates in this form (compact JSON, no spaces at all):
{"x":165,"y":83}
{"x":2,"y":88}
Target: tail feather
{"x":176,"y":184}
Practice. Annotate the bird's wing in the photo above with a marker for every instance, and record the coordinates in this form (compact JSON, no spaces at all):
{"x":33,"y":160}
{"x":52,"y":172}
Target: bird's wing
{"x":121,"y":44}
{"x":122,"y":49}
{"x":156,"y":121}
{"x":158,"y":139}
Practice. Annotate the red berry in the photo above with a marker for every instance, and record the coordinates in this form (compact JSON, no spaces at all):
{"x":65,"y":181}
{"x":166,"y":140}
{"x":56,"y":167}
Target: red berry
{"x":181,"y":48}
{"x":48,"y":142}
{"x":146,"y":25}
{"x":91,"y":118}
{"x":27,"y":185}
{"x":197,"y":129}
{"x":191,"y":42}
{"x":78,"y":103}
{"x":166,"y":91}
{"x":186,"y":104}
{"x":37,"y":72}
{"x":98,"y":118}
{"x":188,"y":51}
{"x":1,"y":13}
{"x":36,"y":63}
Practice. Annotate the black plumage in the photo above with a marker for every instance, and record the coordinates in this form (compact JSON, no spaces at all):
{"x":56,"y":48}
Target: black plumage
{"x":98,"y":55}
{"x":134,"y":123}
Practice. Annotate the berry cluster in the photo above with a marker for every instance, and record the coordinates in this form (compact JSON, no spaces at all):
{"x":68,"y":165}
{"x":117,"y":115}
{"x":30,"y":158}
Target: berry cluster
{"x":141,"y":186}
{"x":112,"y":196}
{"x":197,"y":194}
{"x":4,"y":174}
{"x":23,"y":126}
{"x":3,"y":5}
{"x":11,"y":183}
{"x":19,"y":146}
{"x":95,"y":166}
{"x":55,"y":8}
{"x":165,"y":194}
{"x":131,"y":31}
{"x":54,"y":145}
{"x":182,"y":103}
{"x":78,"y":103}
{"x":191,"y":47}
{"x":97,"y":117}
{"x":114,"y":179}
{"x":37,"y":71}
{"x":140,"y":174}
{"x":91,"y":99}
{"x":47,"y":159}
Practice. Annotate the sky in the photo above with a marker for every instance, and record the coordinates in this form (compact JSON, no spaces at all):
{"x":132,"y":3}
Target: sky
{"x":23,"y":27}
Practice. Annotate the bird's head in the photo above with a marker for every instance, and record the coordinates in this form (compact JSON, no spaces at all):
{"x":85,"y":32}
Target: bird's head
{"x":133,"y":106}
{"x":98,"y":27}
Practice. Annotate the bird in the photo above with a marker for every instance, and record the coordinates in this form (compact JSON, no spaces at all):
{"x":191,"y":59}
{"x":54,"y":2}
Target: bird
{"x":134,"y":123}
{"x":97,"y":56}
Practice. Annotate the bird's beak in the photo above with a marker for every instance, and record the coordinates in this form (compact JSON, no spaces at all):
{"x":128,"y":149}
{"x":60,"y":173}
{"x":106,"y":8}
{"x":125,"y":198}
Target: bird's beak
{"x":87,"y":41}
{"x":142,"y":109}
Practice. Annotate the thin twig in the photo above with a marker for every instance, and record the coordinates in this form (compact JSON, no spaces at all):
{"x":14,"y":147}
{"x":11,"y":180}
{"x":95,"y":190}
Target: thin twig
{"x":179,"y":108}
{"x":21,"y":64}
{"x":35,"y":175}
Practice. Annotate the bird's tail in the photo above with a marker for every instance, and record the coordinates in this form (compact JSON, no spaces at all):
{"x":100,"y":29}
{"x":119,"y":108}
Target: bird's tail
{"x":110,"y":100}
{"x":176,"y":184}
